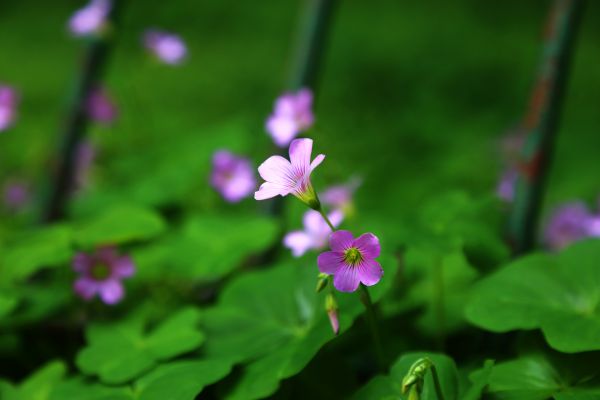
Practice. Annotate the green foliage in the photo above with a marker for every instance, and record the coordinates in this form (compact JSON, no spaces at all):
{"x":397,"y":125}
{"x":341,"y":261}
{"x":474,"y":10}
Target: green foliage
{"x":559,"y":294}
{"x":119,"y":224}
{"x":119,"y":352}
{"x":38,"y":386}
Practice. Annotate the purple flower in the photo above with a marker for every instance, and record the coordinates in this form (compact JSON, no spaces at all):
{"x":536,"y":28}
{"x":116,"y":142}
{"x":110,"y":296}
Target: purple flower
{"x":285,"y":177}
{"x":90,"y":19}
{"x":232,"y":176}
{"x":168,"y":47}
{"x":84,"y":158}
{"x":506,"y":187}
{"x":315,"y":233}
{"x":100,"y":107}
{"x":340,"y":196}
{"x":9,"y":100}
{"x":101,"y":274}
{"x":569,"y":223}
{"x":292,"y":115}
{"x":16,"y":195}
{"x":351,"y":261}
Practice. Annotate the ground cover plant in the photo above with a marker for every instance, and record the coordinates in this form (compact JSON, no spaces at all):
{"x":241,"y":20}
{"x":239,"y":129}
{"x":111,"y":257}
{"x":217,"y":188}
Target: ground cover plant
{"x":309,"y":199}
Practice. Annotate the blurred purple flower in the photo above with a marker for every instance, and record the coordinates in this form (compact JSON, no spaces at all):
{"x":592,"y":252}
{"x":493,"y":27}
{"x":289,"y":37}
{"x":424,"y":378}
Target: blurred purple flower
{"x":284,"y":177}
{"x":100,"y":107}
{"x":351,"y":261}
{"x":101,"y":274}
{"x":507,"y":185}
{"x":315,"y":233}
{"x":292,"y":115}
{"x":168,"y":47}
{"x":569,"y":223}
{"x":16,"y":195}
{"x":232,"y":176}
{"x":340,"y":196}
{"x":90,"y":19}
{"x":84,"y":158}
{"x":9,"y":100}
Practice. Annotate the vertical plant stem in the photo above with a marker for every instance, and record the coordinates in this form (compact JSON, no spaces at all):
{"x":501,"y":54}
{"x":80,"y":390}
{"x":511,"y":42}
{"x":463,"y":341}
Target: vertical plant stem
{"x":542,"y":120}
{"x":436,"y":383}
{"x":76,"y":122}
{"x":371,"y":318}
{"x":327,"y":220}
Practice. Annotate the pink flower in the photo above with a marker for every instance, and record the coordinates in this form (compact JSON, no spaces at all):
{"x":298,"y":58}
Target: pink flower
{"x":569,"y":223}
{"x":8,"y":106}
{"x":315,"y":233}
{"x":232,"y":176}
{"x":351,"y":261}
{"x":90,"y":19}
{"x":167,"y":47}
{"x":101,"y":274}
{"x":285,"y":177}
{"x":100,"y":107}
{"x":16,"y":195}
{"x":292,"y":115}
{"x":340,"y":196}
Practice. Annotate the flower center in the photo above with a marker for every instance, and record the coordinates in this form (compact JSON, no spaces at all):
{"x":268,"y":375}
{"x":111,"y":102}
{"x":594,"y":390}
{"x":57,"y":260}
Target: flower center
{"x":352,"y":256}
{"x":100,"y":271}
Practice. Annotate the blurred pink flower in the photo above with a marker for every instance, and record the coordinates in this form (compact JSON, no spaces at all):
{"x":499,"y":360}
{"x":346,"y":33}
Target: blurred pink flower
{"x":351,"y":261}
{"x":284,"y":177}
{"x":232,"y":176}
{"x":167,"y":47}
{"x":315,"y":233}
{"x":569,"y":223}
{"x":340,"y":196}
{"x":101,"y":273}
{"x":100,"y":107}
{"x":16,"y":195}
{"x":9,"y":100}
{"x":292,"y":115}
{"x":90,"y":19}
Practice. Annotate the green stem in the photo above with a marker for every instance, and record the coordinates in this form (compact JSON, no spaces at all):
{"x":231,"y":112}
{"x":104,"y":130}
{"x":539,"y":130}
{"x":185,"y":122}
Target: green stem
{"x":326,"y":219}
{"x":436,"y":383}
{"x":371,"y":318}
{"x":541,"y":122}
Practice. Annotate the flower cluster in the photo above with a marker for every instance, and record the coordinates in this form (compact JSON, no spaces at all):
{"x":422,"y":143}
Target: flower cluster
{"x":570,"y":223}
{"x":232,"y":176}
{"x":8,"y":106}
{"x":292,"y":114}
{"x":100,"y":108}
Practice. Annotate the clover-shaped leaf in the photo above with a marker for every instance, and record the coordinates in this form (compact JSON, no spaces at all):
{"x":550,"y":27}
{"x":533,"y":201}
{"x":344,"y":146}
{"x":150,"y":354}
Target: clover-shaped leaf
{"x":38,"y":386}
{"x":559,"y":294}
{"x":120,"y":352}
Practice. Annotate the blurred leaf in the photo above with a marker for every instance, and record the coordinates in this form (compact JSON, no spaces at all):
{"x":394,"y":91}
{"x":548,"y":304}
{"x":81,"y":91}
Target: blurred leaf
{"x":79,"y":389}
{"x":7,"y":303}
{"x":559,"y":294}
{"x":539,"y":377}
{"x":119,"y":352}
{"x":274,"y":321}
{"x":180,"y":380}
{"x":207,"y":247}
{"x":44,"y":247}
{"x":480,"y":382}
{"x":391,"y":385}
{"x":37,"y":386}
{"x":119,"y":224}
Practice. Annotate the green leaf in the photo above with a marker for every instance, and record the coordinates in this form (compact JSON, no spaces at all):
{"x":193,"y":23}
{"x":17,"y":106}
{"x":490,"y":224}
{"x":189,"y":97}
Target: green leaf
{"x":180,"y":380}
{"x":559,"y":294}
{"x":275,"y":322}
{"x":119,"y":224}
{"x":540,"y":377}
{"x":38,"y":386}
{"x":391,"y":385}
{"x":42,"y":248}
{"x":207,"y":247}
{"x":80,"y":389}
{"x":119,"y":352}
{"x":480,"y":382}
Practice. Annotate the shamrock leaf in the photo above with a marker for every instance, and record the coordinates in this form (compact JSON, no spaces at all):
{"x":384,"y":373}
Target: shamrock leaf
{"x":38,"y":386}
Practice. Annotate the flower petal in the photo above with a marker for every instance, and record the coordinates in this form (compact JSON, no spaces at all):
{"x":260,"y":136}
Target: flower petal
{"x":300,"y":153}
{"x":81,"y":263}
{"x":278,"y":170}
{"x":346,"y":279}
{"x":282,"y":129}
{"x":111,"y":291}
{"x":330,"y":262}
{"x":368,"y":244}
{"x":85,"y":288}
{"x":123,"y":267}
{"x":314,"y":223}
{"x":369,"y":272}
{"x":318,"y":160}
{"x":268,"y":190}
{"x":340,"y":240}
{"x":336,"y":217}
{"x":297,"y":241}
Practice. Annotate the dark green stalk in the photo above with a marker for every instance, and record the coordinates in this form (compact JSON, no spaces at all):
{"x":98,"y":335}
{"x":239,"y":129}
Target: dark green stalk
{"x":436,"y":383}
{"x":542,"y":120}
{"x":76,"y":122}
